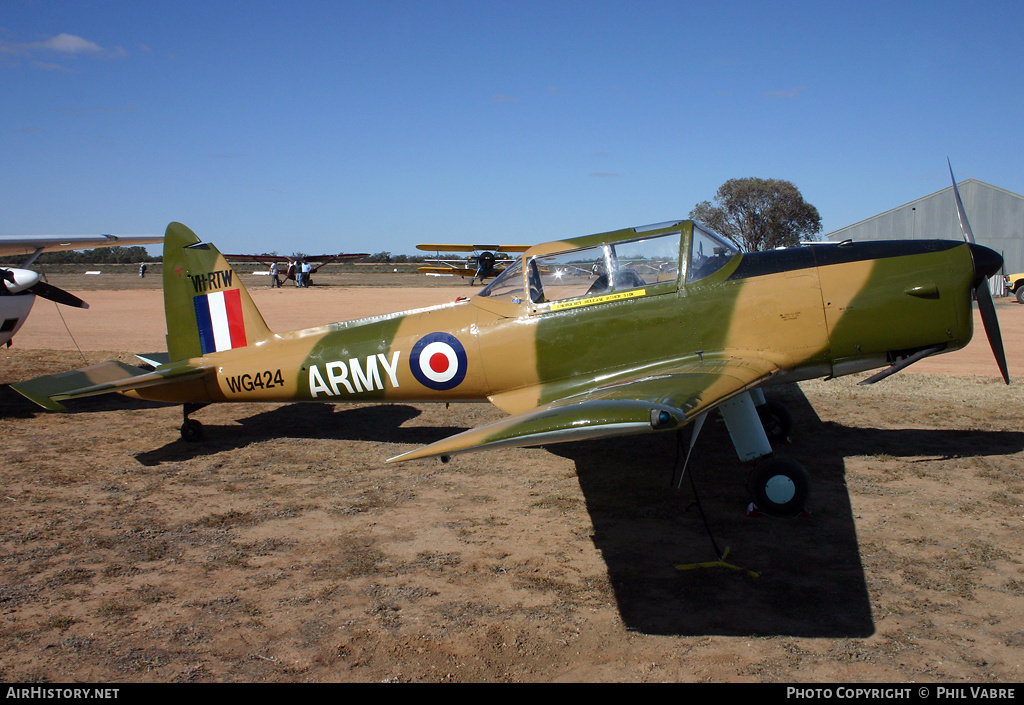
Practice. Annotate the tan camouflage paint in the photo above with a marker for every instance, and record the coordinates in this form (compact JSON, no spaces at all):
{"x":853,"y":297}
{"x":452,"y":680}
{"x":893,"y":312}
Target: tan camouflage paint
{"x":595,"y":366}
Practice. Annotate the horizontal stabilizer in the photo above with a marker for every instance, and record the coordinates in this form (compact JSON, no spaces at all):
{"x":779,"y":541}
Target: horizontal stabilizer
{"x":110,"y":376}
{"x":155,"y":359}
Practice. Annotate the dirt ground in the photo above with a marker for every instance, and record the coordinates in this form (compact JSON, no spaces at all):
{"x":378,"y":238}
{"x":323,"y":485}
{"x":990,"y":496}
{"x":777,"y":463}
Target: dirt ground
{"x":283,"y":548}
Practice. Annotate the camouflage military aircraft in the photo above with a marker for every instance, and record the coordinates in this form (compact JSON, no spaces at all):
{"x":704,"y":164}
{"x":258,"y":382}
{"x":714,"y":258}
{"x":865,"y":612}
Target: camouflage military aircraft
{"x":485,"y":262}
{"x":634,"y":331}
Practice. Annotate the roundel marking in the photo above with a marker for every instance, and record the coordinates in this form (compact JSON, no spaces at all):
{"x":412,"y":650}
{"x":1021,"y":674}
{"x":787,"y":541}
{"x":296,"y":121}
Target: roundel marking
{"x":438,"y":361}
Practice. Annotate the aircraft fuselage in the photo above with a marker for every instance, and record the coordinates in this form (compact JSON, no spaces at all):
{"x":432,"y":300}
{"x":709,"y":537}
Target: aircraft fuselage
{"x":813,"y":311}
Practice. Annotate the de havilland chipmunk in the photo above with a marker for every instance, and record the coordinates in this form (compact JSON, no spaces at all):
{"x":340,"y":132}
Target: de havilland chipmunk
{"x":19,"y":286}
{"x":635,"y":331}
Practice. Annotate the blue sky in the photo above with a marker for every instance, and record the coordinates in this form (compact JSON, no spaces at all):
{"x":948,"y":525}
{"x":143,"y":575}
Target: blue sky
{"x":368,"y":126}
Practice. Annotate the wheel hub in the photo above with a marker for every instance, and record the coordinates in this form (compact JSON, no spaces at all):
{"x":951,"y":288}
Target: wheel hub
{"x":780,"y":489}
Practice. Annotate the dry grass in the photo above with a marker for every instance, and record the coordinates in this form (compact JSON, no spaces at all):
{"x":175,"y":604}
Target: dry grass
{"x":283,"y":549}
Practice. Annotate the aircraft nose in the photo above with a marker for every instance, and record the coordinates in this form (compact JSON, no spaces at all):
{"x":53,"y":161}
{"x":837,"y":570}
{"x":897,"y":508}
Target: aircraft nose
{"x":986,"y":261}
{"x":18,"y":280}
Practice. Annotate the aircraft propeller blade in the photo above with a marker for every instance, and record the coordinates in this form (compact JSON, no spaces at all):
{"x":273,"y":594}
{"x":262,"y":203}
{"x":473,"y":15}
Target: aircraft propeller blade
{"x":987,"y":308}
{"x":965,"y":227}
{"x":986,"y":263}
{"x":49,"y":291}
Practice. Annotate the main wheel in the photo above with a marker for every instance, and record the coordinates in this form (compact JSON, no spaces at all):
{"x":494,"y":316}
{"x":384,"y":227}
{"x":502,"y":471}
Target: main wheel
{"x":192,"y":431}
{"x":779,"y":487}
{"x":1020,"y":294}
{"x":776,"y":419}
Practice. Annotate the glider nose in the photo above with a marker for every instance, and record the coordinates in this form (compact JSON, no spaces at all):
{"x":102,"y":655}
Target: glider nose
{"x":986,"y":262}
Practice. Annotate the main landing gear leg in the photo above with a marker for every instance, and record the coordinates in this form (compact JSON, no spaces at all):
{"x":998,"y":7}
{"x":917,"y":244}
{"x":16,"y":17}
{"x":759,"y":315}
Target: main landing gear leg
{"x":698,"y":424}
{"x":191,"y":430}
{"x":778,"y":486}
{"x":775,"y":417}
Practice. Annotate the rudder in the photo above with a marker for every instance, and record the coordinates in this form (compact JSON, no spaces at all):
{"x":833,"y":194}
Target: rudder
{"x":207,"y":307}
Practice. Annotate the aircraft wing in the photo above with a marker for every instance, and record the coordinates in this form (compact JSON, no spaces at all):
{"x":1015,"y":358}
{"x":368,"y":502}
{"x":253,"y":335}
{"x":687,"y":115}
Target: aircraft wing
{"x":110,"y":376}
{"x":325,"y":259}
{"x":428,"y":247}
{"x":658,"y":400}
{"x":29,"y":244}
{"x":459,"y":271}
{"x":257,"y":258}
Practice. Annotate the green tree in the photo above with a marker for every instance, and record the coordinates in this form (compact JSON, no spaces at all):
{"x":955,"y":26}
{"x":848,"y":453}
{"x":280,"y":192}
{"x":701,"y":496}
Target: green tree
{"x":760,"y":214}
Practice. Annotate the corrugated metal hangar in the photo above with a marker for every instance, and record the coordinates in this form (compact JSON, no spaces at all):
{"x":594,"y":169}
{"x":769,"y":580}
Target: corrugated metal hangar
{"x":996,"y":217}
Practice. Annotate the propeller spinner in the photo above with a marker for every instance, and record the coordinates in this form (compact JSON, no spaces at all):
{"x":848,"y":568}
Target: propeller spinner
{"x":25,"y":281}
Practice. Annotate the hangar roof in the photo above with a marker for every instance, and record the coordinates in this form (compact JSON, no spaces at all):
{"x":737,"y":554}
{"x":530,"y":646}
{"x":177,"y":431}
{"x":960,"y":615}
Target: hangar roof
{"x":996,"y":216}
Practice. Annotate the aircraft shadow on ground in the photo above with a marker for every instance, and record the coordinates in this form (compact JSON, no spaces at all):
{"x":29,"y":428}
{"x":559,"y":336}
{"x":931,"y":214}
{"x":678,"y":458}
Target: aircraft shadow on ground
{"x":382,"y":423}
{"x":810,"y":582}
{"x":15,"y":406}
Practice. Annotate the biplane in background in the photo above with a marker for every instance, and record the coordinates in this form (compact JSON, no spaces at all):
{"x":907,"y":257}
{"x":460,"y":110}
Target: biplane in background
{"x":575,"y":344}
{"x":486,"y":260}
{"x":289,"y":264}
{"x":19,"y":286}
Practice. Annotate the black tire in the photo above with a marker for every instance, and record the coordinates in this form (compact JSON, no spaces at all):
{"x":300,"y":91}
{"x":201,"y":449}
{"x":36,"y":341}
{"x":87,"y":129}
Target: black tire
{"x":779,"y":487}
{"x":192,"y":431}
{"x":1020,"y":294}
{"x":776,"y":419}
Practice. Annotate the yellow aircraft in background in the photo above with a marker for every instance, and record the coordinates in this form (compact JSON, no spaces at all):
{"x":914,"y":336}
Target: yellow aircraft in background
{"x":485,"y":262}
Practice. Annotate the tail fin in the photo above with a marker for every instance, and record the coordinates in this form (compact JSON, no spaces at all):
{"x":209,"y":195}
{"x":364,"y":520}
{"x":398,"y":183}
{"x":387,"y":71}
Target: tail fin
{"x":207,"y":307}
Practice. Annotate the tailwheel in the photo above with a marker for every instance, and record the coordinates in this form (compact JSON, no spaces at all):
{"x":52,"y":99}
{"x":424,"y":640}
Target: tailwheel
{"x":777,"y":421}
{"x":779,"y":487}
{"x":191,"y":431}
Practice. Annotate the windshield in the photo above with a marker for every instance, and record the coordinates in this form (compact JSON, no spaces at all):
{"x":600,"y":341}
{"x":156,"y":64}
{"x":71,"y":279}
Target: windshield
{"x":507,"y":286}
{"x":709,"y":252}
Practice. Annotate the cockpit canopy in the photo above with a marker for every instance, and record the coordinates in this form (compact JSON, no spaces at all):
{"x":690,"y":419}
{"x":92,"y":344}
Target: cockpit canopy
{"x":624,"y":261}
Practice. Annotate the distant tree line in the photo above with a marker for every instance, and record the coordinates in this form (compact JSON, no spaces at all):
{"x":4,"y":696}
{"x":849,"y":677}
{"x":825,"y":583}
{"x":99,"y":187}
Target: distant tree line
{"x":100,"y":255}
{"x":388,"y":258}
{"x":134,"y":255}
